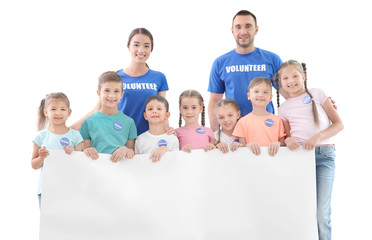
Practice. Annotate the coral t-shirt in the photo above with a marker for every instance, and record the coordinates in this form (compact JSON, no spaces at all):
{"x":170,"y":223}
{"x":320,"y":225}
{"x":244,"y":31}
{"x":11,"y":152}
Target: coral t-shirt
{"x":260,"y":129}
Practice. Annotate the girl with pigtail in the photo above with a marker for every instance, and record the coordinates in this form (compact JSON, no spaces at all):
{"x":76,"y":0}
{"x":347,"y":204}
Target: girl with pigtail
{"x":53,"y":112}
{"x":227,"y":113}
{"x":193,"y":135}
{"x":311,"y":121}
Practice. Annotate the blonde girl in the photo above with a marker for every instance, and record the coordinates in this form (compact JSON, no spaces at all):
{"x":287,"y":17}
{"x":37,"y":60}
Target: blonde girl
{"x":193,"y":135}
{"x":53,"y":112}
{"x":311,"y":121}
{"x":227,"y":113}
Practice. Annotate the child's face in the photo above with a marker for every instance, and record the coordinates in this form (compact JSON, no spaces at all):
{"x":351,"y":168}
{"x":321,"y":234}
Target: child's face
{"x":140,"y":48}
{"x":190,"y":110}
{"x":57,"y":111}
{"x":156,"y":112}
{"x":260,"y":95}
{"x":292,"y":80}
{"x":110,"y":94}
{"x":227,"y":116}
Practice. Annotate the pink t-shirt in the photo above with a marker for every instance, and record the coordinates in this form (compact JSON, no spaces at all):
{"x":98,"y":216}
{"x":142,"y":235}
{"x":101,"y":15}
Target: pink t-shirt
{"x":298,"y":113}
{"x":197,"y":136}
{"x":260,"y":129}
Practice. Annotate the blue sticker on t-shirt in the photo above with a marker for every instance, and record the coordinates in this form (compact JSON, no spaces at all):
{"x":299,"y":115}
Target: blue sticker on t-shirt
{"x":118,"y":126}
{"x":306,"y":100}
{"x":162,"y":142}
{"x":200,"y":130}
{"x":64,"y":141}
{"x":269,"y":122}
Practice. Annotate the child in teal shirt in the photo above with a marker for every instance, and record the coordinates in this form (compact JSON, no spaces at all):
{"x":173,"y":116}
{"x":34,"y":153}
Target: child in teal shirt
{"x":109,"y":130}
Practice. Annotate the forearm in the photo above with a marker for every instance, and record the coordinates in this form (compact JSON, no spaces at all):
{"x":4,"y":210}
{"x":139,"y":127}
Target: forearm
{"x":37,"y":162}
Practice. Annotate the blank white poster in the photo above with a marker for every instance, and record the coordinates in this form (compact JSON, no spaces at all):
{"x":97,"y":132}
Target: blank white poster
{"x":185,"y":196}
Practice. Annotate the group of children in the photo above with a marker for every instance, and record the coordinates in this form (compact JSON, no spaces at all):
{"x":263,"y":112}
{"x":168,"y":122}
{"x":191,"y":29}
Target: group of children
{"x":111,"y":131}
{"x":307,"y":118}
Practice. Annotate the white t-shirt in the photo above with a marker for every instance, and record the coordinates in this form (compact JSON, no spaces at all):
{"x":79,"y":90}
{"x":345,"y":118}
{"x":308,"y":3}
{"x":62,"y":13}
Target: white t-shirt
{"x":147,"y":142}
{"x":224,"y":138}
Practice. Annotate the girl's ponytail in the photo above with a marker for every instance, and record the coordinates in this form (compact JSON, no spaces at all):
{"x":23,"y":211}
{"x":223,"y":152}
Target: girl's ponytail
{"x":41,"y":116}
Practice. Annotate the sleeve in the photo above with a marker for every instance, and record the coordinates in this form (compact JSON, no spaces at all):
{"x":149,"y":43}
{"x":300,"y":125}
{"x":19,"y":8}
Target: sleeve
{"x":210,"y":134}
{"x":132,"y":131}
{"x":84,"y":130}
{"x":281,"y":113}
{"x":216,"y":85}
{"x":38,"y":140}
{"x":137,"y":145}
{"x":77,"y":138}
{"x":175,"y":146}
{"x":281,"y":132}
{"x":238,"y":130}
{"x":319,"y":95}
{"x":163,"y":85}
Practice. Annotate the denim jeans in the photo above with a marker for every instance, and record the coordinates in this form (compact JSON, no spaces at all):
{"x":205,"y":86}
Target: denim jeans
{"x":325,"y":172}
{"x":39,"y":197}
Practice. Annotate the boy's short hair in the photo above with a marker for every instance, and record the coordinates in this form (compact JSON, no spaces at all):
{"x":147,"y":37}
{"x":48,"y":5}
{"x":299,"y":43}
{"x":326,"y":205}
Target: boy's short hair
{"x":258,"y":80}
{"x":109,"y":76}
{"x":159,"y":99}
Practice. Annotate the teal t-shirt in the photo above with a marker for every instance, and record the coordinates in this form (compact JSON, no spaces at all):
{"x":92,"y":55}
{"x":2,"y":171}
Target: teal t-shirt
{"x":108,"y":132}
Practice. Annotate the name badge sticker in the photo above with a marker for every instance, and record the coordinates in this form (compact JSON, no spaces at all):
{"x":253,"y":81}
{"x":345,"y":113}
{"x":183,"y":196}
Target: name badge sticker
{"x":269,"y":122}
{"x":118,"y":126}
{"x":200,"y":130}
{"x":64,"y":141}
{"x":306,"y":100}
{"x":162,"y":142}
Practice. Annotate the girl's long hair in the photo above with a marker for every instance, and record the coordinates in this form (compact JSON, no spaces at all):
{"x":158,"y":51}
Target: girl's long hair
{"x":196,"y":94}
{"x":301,"y":67}
{"x":42,"y":120}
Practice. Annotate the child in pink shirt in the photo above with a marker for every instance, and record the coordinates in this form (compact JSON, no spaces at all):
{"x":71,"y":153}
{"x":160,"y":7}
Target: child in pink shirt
{"x":260,"y":128}
{"x":193,"y":135}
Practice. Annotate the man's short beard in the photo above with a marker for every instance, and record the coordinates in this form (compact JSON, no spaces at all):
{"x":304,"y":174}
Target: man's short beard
{"x":245,"y":45}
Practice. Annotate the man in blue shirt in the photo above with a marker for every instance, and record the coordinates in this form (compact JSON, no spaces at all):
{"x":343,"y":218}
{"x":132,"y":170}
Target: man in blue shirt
{"x":232,"y":72}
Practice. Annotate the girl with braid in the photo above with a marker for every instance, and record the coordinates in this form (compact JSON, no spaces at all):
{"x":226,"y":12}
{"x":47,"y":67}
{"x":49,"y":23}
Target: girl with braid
{"x":227,"y":114}
{"x":193,"y":135}
{"x":311,"y":121}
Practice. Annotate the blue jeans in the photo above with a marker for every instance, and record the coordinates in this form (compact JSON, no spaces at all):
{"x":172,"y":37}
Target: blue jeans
{"x":39,"y":197}
{"x":325,"y":173}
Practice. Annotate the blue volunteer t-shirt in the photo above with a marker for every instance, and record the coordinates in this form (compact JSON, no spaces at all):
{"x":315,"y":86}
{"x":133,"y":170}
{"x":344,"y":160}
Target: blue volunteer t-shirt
{"x":232,"y":72}
{"x":136,"y":91}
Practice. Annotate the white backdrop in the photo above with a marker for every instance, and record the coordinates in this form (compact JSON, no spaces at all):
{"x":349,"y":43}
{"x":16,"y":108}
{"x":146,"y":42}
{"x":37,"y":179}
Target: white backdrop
{"x":48,"y":46}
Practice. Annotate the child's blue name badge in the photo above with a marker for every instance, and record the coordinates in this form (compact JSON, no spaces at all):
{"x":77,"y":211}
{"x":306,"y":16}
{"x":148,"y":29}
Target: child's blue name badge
{"x":162,"y":142}
{"x":64,"y":141}
{"x":200,"y":130}
{"x":306,"y":100}
{"x":118,"y":126}
{"x":269,"y":122}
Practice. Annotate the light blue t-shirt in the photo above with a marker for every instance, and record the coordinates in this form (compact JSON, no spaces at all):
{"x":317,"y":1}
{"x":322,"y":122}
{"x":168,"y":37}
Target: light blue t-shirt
{"x":51,"y":141}
{"x":232,"y":72}
{"x":108,"y":132}
{"x":136,"y":91}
